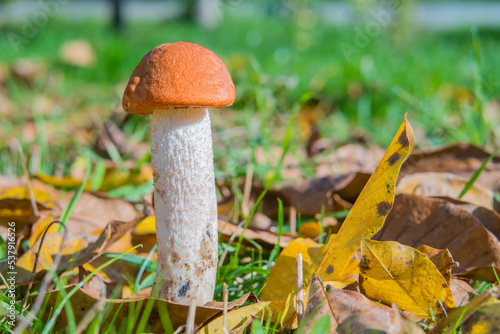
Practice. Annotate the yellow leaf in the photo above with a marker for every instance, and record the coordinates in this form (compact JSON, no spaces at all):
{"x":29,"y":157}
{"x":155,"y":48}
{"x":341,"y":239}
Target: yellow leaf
{"x":21,"y":193}
{"x":395,"y":273}
{"x":39,"y":228}
{"x":368,"y":214}
{"x":116,"y":177}
{"x":15,"y":205}
{"x":146,"y":226}
{"x":281,"y":281}
{"x":73,"y":244}
{"x":236,"y":318}
{"x":66,"y":182}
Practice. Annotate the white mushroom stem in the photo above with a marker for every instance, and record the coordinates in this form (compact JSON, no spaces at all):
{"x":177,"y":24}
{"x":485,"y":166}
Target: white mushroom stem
{"x":185,"y":204}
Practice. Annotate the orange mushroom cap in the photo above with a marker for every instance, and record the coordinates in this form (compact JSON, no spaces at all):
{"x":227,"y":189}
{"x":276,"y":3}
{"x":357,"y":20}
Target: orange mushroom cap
{"x":178,"y":75}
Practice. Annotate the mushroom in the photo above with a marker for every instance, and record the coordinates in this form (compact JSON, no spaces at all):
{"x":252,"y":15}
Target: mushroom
{"x":177,"y":83}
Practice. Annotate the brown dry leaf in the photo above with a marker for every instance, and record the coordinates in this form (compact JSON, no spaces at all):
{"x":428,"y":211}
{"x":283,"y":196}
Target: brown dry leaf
{"x":352,"y":158}
{"x":349,"y":311}
{"x":402,"y":325}
{"x":461,"y":291}
{"x":395,"y":273}
{"x":441,"y":258}
{"x":484,"y":273}
{"x":94,"y":210}
{"x":445,"y":184}
{"x":416,"y":220}
{"x":264,"y":238}
{"x":77,"y":52}
{"x":82,"y":302}
{"x":489,"y":218}
{"x":78,"y":249}
{"x":309,"y":196}
{"x":460,"y":159}
{"x":317,"y":306}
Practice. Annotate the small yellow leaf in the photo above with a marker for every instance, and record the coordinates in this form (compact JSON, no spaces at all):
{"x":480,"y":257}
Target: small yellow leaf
{"x":368,"y":214}
{"x":281,"y":281}
{"x":236,"y":318}
{"x":395,"y":273}
{"x":73,"y":244}
{"x":66,"y":182}
{"x":146,"y":226}
{"x":15,"y":205}
{"x":21,"y":193}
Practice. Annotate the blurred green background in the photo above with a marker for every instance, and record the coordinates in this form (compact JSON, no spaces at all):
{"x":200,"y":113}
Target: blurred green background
{"x":353,"y":68}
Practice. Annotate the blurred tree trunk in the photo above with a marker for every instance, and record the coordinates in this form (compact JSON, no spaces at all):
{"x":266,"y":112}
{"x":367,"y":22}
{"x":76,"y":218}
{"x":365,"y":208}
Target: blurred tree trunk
{"x":117,"y":13}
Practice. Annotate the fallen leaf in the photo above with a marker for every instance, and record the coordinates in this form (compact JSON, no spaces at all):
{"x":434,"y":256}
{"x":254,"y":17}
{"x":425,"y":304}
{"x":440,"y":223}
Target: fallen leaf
{"x":310,"y":196}
{"x":317,"y":307}
{"x":15,"y":206}
{"x":395,"y":273}
{"x":402,"y":325}
{"x":445,"y":184}
{"x":348,"y":311}
{"x":264,"y":238}
{"x":416,"y":220}
{"x":67,"y":183}
{"x":441,"y":258}
{"x":238,"y":320}
{"x":78,"y":249}
{"x":94,"y":210}
{"x":461,"y":291}
{"x":72,"y":246}
{"x":82,"y":302}
{"x":484,"y":273}
{"x":489,"y":218}
{"x":352,"y":158}
{"x":281,"y":281}
{"x":459,"y":159}
{"x":370,"y":210}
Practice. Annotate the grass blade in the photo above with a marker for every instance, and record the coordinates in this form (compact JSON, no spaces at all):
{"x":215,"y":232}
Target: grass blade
{"x":476,"y":174}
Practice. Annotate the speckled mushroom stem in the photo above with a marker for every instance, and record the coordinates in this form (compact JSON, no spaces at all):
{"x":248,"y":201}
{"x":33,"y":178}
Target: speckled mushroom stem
{"x":185,"y":204}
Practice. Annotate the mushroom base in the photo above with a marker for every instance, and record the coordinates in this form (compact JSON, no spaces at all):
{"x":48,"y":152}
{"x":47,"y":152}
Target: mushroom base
{"x":185,"y":205}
